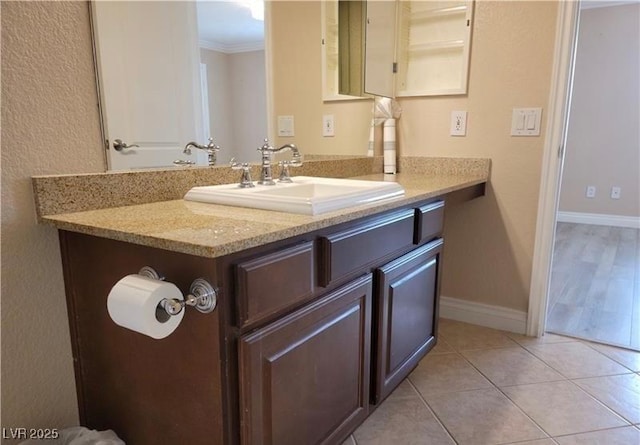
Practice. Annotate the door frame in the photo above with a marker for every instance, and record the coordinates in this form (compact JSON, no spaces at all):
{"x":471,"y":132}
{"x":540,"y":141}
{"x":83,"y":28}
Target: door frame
{"x":553,"y":156}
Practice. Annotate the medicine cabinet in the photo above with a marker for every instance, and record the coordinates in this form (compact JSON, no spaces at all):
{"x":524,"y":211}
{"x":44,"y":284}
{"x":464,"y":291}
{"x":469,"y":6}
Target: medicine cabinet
{"x":411,"y":48}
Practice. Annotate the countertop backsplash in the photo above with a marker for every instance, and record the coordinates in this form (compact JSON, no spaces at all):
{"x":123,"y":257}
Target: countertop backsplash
{"x":56,"y":194}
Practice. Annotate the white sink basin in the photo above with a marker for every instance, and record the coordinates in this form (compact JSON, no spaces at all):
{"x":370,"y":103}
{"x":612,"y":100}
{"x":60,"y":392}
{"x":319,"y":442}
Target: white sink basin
{"x":306,"y":195}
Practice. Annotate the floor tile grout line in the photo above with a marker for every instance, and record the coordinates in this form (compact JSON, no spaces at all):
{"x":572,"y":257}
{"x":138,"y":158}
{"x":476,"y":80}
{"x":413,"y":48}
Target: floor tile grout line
{"x":568,"y":379}
{"x":520,"y":442}
{"x":600,"y":403}
{"x":586,"y":377}
{"x":534,"y":356}
{"x":593,"y":431}
{"x":594,"y":341}
{"x":565,"y":378}
{"x":432,"y":411}
{"x":593,"y":396}
{"x":508,"y":398}
{"x":611,"y":358}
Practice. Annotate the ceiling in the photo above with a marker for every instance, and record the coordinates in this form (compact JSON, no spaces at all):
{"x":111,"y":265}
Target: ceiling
{"x":227,"y":26}
{"x":588,"y":4}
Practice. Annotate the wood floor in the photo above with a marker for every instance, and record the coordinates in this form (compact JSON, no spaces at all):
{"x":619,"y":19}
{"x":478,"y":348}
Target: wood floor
{"x":595,"y":284}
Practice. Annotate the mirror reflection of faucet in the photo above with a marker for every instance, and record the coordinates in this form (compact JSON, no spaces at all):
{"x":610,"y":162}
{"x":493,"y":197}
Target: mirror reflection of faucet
{"x":245,"y":180}
{"x":211,"y":149}
{"x":266,"y":171}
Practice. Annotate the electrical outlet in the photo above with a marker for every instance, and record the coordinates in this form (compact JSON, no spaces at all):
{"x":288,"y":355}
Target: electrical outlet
{"x":615,"y":192}
{"x":591,"y":191}
{"x":328,"y":128}
{"x":458,"y":123}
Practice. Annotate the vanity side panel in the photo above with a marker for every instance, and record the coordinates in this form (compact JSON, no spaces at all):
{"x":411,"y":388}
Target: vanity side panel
{"x":148,"y":391}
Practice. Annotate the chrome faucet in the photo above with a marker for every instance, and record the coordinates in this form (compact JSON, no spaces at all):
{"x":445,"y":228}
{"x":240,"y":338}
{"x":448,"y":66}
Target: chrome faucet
{"x":211,"y":149}
{"x":245,"y":180}
{"x":266,"y":172}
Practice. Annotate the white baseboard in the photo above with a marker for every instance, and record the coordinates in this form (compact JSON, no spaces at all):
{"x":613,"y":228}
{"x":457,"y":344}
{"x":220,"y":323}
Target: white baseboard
{"x":598,"y":219}
{"x":496,"y":317}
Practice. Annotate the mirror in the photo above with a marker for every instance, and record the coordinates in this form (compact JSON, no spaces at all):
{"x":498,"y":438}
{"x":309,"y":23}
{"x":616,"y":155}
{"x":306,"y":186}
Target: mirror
{"x":351,"y":46}
{"x":183,"y":71}
{"x":411,"y":48}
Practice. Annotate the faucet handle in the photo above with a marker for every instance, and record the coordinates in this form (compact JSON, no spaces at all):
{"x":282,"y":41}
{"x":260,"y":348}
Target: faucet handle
{"x":245,"y":179}
{"x":212,"y":146}
{"x":284,"y":170}
{"x":266,"y":146}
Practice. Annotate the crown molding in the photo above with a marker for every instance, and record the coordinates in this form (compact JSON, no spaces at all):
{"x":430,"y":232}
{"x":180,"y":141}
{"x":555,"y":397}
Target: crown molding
{"x":230,"y":49}
{"x":593,"y":4}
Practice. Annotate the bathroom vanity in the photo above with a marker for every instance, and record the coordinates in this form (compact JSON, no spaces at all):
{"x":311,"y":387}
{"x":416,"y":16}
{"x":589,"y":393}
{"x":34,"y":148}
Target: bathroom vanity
{"x":318,"y":319}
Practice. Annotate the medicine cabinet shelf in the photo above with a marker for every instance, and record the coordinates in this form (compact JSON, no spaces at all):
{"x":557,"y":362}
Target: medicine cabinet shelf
{"x":433,"y":47}
{"x":436,"y":46}
{"x":438,"y":12}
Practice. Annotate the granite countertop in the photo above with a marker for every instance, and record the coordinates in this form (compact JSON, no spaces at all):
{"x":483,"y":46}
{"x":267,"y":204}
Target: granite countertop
{"x":211,"y":230}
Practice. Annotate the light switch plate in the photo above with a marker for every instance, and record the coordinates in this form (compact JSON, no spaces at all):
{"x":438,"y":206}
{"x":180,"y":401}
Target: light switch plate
{"x":285,"y":126}
{"x":526,"y":121}
{"x":328,"y":128}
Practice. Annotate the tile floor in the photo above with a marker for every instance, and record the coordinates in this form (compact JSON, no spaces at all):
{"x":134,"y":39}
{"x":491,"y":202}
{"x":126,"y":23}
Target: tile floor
{"x":481,"y":386}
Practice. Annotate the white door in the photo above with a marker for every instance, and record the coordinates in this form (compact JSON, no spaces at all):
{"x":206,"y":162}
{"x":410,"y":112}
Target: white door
{"x":149,"y":73}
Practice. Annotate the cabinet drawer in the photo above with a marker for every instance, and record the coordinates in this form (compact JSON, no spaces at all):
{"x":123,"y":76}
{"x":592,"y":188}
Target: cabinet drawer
{"x":273,"y":282}
{"x":364,"y":244}
{"x":304,"y":379}
{"x":429,"y":220}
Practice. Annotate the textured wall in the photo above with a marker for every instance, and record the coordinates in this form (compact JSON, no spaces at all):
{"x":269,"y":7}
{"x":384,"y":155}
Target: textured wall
{"x":49,"y":125}
{"x":489,"y":242}
{"x":489,"y":245}
{"x":603,"y":142}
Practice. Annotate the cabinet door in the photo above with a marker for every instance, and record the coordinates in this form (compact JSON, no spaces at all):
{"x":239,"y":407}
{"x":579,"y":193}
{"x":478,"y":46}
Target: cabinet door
{"x":304,"y":379}
{"x":407,"y":313}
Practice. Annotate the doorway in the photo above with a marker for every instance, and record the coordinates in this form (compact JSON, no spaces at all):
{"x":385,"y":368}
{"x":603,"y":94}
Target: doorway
{"x":594,"y":290}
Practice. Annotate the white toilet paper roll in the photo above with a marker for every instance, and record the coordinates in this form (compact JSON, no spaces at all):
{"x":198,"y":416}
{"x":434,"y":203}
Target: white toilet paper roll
{"x":132,"y":304}
{"x":389,"y":145}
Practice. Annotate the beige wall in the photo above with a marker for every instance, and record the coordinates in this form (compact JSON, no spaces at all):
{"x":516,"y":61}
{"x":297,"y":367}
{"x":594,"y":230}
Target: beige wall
{"x":489,"y":242}
{"x":49,"y":125}
{"x":249,"y":110}
{"x":603,"y":142}
{"x":219,"y":95}
{"x":237,"y":102}
{"x":297,"y":73}
{"x":489,"y":245}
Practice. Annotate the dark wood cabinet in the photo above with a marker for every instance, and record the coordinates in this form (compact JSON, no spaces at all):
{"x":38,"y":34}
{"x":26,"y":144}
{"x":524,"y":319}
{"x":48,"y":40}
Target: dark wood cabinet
{"x":304,"y":379}
{"x":406,"y":297}
{"x":309,"y":335}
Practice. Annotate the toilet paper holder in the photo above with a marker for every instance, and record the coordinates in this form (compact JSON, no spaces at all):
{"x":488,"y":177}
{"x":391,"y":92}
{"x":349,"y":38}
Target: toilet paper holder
{"x":203,"y":296}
